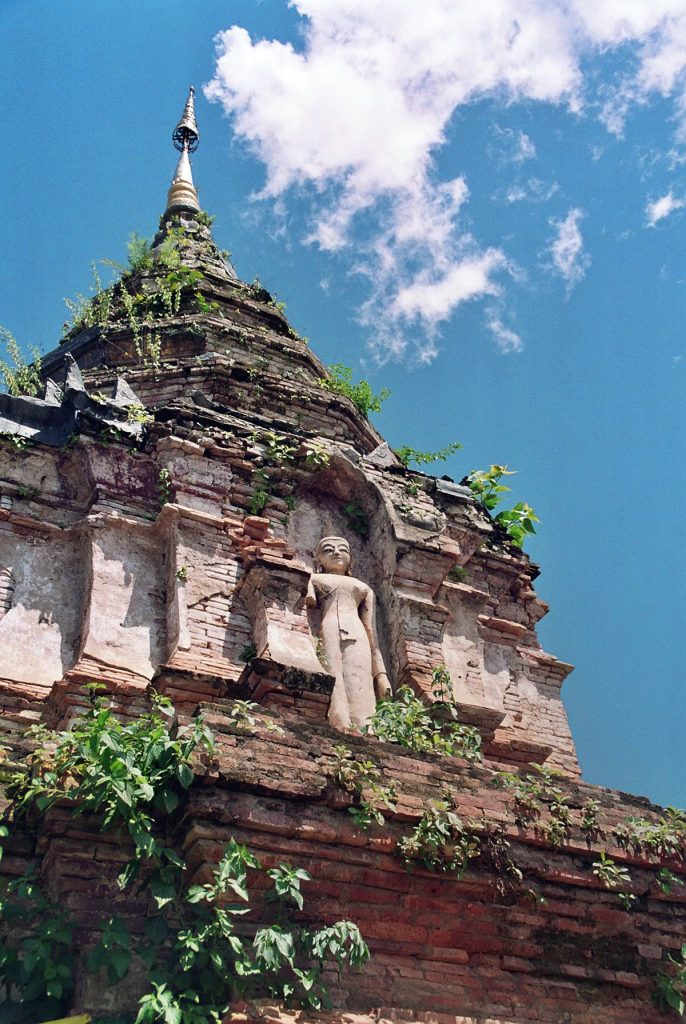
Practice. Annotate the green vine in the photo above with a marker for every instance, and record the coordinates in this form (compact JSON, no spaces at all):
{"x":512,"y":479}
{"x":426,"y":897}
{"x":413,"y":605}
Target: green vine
{"x":131,"y":777}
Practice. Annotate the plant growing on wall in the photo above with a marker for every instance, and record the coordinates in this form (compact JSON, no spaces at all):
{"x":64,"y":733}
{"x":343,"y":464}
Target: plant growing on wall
{"x":430,"y":728}
{"x":363,"y":780}
{"x":20,"y":377}
{"x":440,"y":841}
{"x":131,"y":776}
{"x":518,"y":522}
{"x":407,"y":454}
{"x":340,"y":382}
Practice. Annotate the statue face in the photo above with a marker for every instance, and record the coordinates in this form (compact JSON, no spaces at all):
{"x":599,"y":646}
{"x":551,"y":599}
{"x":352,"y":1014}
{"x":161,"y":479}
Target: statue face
{"x":333,"y":555}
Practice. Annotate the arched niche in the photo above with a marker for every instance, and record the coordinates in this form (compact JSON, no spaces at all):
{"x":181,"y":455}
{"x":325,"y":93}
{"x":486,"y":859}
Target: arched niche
{"x":340,"y":500}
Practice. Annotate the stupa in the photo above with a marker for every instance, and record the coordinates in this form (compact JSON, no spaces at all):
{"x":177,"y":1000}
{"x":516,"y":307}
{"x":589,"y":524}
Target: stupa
{"x":195,"y":510}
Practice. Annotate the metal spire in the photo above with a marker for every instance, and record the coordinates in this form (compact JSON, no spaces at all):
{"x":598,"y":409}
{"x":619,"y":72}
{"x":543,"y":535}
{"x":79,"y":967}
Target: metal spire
{"x":185,"y":138}
{"x":186,"y":135}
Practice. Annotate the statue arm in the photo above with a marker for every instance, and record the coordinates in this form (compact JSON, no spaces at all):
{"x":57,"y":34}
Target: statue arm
{"x":311,"y":595}
{"x":368,"y":617}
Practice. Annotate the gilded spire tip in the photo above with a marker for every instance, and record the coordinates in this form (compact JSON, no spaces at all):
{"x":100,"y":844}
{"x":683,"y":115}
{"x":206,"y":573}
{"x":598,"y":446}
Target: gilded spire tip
{"x":185,"y":138}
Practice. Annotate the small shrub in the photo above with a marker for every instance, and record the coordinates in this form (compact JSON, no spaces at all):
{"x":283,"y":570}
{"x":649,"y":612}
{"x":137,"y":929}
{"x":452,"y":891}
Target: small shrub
{"x":164,"y":486}
{"x":406,"y":454}
{"x":248,"y":653}
{"x":340,"y":382}
{"x":431,"y":729}
{"x":363,"y":780}
{"x":518,"y":522}
{"x":356,"y":518}
{"x":440,"y":840}
{"x":21,"y":378}
{"x":615,"y":877}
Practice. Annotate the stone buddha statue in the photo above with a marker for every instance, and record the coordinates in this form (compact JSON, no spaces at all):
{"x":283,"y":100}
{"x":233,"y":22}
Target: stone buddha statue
{"x":348,"y":632}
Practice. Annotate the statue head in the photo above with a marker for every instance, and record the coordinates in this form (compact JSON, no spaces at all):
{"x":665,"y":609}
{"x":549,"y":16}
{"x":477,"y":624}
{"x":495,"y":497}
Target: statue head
{"x":332,"y":554}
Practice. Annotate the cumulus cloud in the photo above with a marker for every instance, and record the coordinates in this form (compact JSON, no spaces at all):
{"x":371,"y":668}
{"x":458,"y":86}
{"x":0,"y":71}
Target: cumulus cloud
{"x":661,"y":208}
{"x":352,"y":119}
{"x":566,"y":251}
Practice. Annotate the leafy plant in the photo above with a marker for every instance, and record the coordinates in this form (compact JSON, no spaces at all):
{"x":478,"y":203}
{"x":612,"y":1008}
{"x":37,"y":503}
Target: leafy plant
{"x":670,"y":988}
{"x":164,"y":486}
{"x":590,"y":813}
{"x":247,"y":716}
{"x":182,"y":573}
{"x":340,"y":382}
{"x":407,"y":454}
{"x":205,"y":220}
{"x":457,"y":574}
{"x":356,"y":518}
{"x":90,"y":311}
{"x":431,"y":729}
{"x":112,"y":951}
{"x":518,"y":522}
{"x":615,"y":877}
{"x":667,"y":881}
{"x":36,"y":959}
{"x":138,"y":414}
{"x":486,"y":485}
{"x":440,"y":840}
{"x":132,"y":776}
{"x":531,"y":793}
{"x":20,"y":377}
{"x":248,"y":653}
{"x":316,"y":456}
{"x":363,"y":780}
{"x":258,"y":501}
{"x":278,"y":447}
{"x":495,"y":851}
{"x":122,"y":772}
{"x":15,"y":442}
{"x":139,"y":252}
{"x":664,"y":838}
{"x":205,"y":961}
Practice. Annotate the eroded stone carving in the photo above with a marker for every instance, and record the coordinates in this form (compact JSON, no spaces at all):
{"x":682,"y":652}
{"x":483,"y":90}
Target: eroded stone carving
{"x":348,"y":632}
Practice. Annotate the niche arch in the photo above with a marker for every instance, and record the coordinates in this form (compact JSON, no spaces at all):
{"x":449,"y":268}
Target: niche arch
{"x":342,"y":500}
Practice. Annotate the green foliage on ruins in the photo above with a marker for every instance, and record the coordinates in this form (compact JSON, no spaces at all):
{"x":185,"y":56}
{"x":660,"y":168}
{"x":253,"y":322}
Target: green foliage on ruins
{"x":430,"y":728}
{"x":518,"y":522}
{"x":340,"y":382}
{"x":440,"y":841}
{"x":407,"y":454}
{"x":364,"y":782}
{"x":130,"y":777}
{"x":150,"y":289}
{"x":20,"y":377}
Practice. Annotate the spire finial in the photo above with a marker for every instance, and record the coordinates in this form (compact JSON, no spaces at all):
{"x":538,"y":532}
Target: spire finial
{"x":186,"y":135}
{"x":185,"y":138}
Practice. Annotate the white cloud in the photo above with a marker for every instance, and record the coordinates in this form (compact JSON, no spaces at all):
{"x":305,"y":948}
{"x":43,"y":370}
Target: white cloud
{"x":533,"y":191}
{"x":661,"y":208}
{"x":354,"y":117}
{"x":506,"y":339}
{"x":567,"y":249}
{"x":513,"y":146}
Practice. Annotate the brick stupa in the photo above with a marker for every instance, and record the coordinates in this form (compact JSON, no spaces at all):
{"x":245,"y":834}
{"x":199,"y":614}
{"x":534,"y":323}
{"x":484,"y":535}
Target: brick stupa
{"x":154,"y":536}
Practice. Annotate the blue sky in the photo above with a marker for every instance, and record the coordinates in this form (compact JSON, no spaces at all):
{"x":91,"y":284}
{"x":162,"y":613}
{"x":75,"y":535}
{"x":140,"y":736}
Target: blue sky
{"x":479,"y":206}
